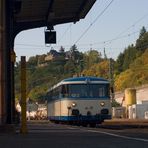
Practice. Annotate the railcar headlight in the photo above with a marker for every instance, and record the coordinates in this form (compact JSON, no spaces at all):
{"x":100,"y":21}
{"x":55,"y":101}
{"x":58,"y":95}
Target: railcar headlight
{"x":74,"y":104}
{"x":102,"y":104}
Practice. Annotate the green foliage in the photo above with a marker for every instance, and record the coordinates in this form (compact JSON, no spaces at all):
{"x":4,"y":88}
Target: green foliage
{"x":114,"y":103}
{"x":129,"y":70}
{"x":142,"y":32}
{"x":142,"y":41}
{"x":125,"y":59}
{"x":91,"y":57}
{"x":41,"y":74}
{"x":69,"y":67}
{"x":119,"y":63}
{"x":136,"y":75}
{"x":100,"y":70}
{"x":33,"y":61}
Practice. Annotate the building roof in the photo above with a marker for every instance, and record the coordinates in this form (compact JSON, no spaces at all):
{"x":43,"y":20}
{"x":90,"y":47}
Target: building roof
{"x":38,"y":13}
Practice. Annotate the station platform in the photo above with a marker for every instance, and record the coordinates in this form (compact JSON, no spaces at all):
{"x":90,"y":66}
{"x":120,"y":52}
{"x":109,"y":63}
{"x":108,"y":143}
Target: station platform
{"x":109,"y":124}
{"x":7,"y":128}
{"x":125,"y":123}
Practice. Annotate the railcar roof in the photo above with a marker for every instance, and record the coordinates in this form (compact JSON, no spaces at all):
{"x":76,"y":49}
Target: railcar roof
{"x":85,"y":79}
{"x":78,"y":80}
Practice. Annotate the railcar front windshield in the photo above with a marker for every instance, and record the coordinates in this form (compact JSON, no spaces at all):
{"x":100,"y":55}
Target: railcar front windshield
{"x":85,"y":90}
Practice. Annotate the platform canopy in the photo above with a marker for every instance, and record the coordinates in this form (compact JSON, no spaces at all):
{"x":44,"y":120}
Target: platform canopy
{"x":38,"y":13}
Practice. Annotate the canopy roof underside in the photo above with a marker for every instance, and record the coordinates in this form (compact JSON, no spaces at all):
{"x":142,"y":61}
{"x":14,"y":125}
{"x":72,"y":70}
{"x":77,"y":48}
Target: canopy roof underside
{"x":39,"y":13}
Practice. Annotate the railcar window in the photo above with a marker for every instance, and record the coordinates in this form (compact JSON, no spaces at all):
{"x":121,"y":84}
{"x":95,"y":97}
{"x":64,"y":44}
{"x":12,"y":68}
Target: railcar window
{"x":64,"y":90}
{"x":98,"y":90}
{"x":85,"y":90}
{"x":78,"y":90}
{"x":50,"y":96}
{"x":56,"y":93}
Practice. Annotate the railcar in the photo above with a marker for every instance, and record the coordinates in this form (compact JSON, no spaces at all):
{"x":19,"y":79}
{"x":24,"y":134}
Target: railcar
{"x":79,"y":100}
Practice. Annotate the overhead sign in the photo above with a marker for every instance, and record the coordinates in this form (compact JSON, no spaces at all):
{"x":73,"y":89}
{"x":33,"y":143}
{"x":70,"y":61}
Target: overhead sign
{"x":50,"y":37}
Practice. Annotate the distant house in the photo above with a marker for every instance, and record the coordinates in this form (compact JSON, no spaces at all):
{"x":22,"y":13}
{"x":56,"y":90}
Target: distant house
{"x":52,"y":55}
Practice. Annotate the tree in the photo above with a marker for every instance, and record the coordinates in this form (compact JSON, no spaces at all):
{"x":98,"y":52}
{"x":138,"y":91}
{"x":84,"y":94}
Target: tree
{"x":114,"y":103}
{"x":41,"y":59}
{"x":119,"y":63}
{"x":62,"y":50}
{"x":142,"y":41}
{"x":130,"y":55}
{"x":91,"y":57}
{"x":74,"y":53}
{"x":142,"y":32}
{"x":32,"y":61}
{"x":126,"y":58}
{"x":69,"y":68}
{"x":99,"y":70}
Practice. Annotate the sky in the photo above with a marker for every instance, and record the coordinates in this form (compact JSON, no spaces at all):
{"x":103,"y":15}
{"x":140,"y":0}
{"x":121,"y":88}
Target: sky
{"x":111,"y":27}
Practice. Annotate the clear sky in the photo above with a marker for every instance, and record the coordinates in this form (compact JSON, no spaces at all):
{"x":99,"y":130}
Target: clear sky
{"x":114,"y":30}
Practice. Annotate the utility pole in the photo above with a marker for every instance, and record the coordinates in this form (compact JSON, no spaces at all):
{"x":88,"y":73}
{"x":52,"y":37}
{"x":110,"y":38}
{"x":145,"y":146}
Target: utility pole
{"x":111,"y":78}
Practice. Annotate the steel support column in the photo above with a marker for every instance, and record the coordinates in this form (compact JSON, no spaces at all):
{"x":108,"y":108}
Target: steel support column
{"x":8,"y":62}
{"x":9,"y":91}
{"x":6,"y":44}
{"x":3,"y":112}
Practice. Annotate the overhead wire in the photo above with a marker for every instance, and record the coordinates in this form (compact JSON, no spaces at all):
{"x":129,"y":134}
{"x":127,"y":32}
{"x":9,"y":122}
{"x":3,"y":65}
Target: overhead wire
{"x":64,"y":33}
{"x":84,"y":45}
{"x":120,"y":37}
{"x":102,"y":12}
{"x":102,"y":42}
{"x":116,"y":38}
{"x":136,"y":22}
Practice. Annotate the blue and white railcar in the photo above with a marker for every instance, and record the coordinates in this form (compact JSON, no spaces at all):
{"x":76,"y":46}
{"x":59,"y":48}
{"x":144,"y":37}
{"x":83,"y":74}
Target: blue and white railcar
{"x":80,"y":100}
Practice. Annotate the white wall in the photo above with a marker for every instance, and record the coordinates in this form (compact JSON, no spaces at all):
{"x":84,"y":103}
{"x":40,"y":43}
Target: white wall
{"x":141,"y":95}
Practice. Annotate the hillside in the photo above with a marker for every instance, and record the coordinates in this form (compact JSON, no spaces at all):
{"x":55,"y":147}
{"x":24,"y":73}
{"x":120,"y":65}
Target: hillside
{"x":135,"y":75}
{"x":43,"y":71}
